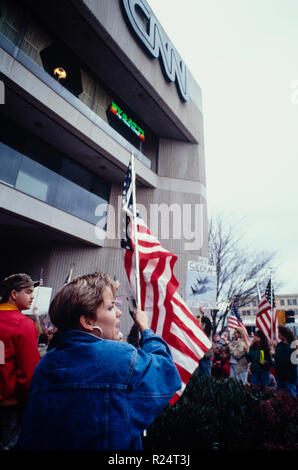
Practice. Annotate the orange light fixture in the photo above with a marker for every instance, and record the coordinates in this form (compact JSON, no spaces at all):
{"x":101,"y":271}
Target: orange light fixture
{"x":60,"y":73}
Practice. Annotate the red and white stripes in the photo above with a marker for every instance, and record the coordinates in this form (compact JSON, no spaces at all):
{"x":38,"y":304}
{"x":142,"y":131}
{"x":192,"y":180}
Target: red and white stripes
{"x":266,"y":319}
{"x":169,"y":315}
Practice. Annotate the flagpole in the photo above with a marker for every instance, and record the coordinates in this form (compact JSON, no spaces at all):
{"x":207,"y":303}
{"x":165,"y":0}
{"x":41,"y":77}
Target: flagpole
{"x":70,"y":273}
{"x":258,"y":292}
{"x":134,"y":210}
{"x":41,"y":271}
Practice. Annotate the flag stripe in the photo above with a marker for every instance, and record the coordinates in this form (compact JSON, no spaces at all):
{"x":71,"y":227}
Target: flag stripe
{"x":194,"y":330}
{"x":180,"y":358}
{"x":186,"y":339}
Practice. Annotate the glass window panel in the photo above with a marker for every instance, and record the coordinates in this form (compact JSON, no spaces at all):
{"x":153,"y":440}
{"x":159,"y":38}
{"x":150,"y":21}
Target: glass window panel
{"x":71,"y":198}
{"x":10,"y":162}
{"x":75,"y":173}
{"x":33,"y":179}
{"x":93,"y":202}
{"x":30,"y":185}
{"x":36,"y":170}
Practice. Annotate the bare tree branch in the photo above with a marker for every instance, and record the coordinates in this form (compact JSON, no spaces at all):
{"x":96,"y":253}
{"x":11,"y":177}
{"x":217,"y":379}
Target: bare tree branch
{"x":239,"y":269}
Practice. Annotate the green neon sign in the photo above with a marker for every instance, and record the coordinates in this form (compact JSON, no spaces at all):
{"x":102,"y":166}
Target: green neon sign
{"x":117,"y":111}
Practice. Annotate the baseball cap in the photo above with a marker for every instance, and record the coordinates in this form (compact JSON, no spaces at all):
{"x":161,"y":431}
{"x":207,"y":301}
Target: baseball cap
{"x":16,"y":282}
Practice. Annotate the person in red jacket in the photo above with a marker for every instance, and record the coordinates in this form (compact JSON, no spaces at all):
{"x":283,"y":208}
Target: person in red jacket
{"x":225,"y":371}
{"x":19,"y":354}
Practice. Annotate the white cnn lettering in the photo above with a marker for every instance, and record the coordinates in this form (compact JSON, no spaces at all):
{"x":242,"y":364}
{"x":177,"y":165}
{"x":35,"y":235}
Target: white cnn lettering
{"x":149,"y":31}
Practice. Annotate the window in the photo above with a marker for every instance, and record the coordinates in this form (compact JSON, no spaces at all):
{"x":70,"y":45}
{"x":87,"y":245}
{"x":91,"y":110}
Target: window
{"x":32,"y":185}
{"x":289,"y":301}
{"x":59,"y":181}
{"x":282,"y":302}
{"x":294,"y":301}
{"x":11,"y":21}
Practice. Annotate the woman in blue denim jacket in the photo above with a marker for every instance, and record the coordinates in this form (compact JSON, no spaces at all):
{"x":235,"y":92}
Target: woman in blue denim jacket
{"x":92,"y":391}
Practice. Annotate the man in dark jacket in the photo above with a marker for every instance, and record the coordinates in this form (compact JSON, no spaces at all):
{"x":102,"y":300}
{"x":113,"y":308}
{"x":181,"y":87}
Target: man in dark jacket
{"x":285,"y":369}
{"x":19,"y":354}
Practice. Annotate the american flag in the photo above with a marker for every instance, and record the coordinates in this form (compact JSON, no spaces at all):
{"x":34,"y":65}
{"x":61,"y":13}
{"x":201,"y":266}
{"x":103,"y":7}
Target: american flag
{"x":234,"y":320}
{"x":266,"y":319}
{"x":169,"y":316}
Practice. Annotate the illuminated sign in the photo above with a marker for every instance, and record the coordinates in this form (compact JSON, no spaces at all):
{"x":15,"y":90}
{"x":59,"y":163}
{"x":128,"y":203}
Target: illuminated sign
{"x":151,"y":34}
{"x":114,"y":109}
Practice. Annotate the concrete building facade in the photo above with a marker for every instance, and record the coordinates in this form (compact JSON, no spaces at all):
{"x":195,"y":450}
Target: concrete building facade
{"x":66,"y":142}
{"x":283,"y":302}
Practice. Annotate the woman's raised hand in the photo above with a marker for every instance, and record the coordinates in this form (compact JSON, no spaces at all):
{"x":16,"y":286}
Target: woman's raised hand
{"x":141,"y":319}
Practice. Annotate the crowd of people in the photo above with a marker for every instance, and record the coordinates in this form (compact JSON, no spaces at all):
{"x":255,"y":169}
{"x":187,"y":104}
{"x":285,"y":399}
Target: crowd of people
{"x":252,"y":360}
{"x":92,"y":390}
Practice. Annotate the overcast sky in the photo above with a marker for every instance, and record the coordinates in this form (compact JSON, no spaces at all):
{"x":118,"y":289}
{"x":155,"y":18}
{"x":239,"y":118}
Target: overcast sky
{"x":244,"y":55}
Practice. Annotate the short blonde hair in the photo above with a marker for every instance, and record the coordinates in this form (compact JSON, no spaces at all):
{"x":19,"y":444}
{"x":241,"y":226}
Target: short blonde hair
{"x":80,"y":297}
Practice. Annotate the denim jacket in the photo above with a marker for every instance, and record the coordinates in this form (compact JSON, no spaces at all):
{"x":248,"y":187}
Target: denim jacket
{"x":90,"y":393}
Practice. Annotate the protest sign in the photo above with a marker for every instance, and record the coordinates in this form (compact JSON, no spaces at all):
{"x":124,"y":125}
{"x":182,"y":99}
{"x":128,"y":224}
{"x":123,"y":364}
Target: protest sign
{"x":201,"y":284}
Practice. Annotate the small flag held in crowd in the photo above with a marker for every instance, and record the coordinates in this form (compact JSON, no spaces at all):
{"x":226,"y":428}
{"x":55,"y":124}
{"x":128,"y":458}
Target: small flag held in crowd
{"x":266,"y":319}
{"x":169,"y":316}
{"x":234,"y":320}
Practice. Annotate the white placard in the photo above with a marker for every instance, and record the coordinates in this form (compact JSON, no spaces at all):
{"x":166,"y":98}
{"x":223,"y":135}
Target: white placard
{"x":201,"y":284}
{"x":42,"y":299}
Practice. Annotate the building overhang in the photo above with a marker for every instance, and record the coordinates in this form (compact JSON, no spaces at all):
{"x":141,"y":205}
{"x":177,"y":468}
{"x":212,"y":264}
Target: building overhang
{"x":41,"y":223}
{"x":45,"y":108}
{"x":85,"y":32}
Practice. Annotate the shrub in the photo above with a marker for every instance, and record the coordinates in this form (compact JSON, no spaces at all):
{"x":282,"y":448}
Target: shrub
{"x":279,"y":420}
{"x":211,"y":414}
{"x":225,"y":415}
